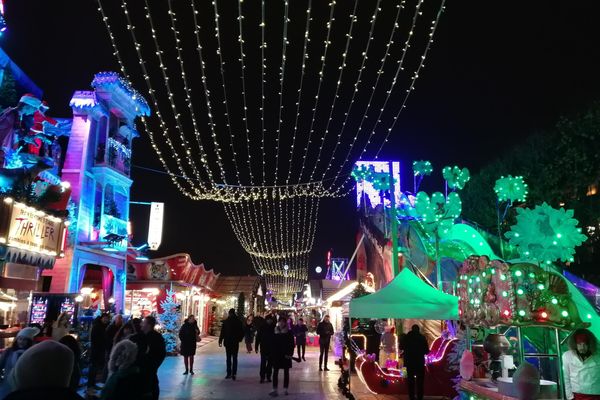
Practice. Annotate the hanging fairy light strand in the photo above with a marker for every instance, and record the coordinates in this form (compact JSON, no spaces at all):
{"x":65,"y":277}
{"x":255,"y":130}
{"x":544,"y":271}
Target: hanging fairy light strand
{"x":415,"y":76}
{"x":434,"y":25}
{"x":299,"y":97}
{"x":389,"y":46}
{"x":263,"y":67}
{"x":188,"y":95}
{"x":176,"y":115}
{"x":339,"y":81}
{"x":399,"y":68}
{"x":209,"y":107}
{"x":327,"y":43}
{"x":244,"y":103}
{"x":284,"y":45}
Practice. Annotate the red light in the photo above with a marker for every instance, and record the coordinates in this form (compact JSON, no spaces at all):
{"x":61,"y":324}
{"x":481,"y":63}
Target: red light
{"x":544,"y":315}
{"x":506,"y":313}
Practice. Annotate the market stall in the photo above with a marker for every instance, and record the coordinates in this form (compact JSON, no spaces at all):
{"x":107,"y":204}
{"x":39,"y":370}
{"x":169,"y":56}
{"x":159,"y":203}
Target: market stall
{"x":515,"y":313}
{"x":193,"y":286}
{"x":407,"y":297}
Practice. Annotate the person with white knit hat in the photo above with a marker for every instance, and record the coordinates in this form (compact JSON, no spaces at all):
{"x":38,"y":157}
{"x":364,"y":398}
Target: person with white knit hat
{"x":43,"y":372}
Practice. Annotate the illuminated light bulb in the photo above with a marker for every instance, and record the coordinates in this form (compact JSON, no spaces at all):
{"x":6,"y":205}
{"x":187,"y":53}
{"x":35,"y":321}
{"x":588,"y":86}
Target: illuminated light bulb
{"x":554,"y":301}
{"x":541,"y":286}
{"x":544,"y":314}
{"x":506,"y":313}
{"x":564,"y":313}
{"x":522,"y":313}
{"x":518,"y":273}
{"x":504,"y":293}
{"x":520,"y":291}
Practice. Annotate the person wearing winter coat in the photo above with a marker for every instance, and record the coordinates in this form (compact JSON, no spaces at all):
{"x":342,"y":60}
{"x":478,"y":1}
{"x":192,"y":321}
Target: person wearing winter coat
{"x":124,"y":332}
{"x":111,"y":331}
{"x":415,"y":347}
{"x":232,"y":333}
{"x":281,"y":354}
{"x":249,"y":332}
{"x":43,"y":372}
{"x":189,"y":334}
{"x":151,"y":353}
{"x":581,"y":366}
{"x":97,"y":349}
{"x":125,"y":380}
{"x":325,"y":332}
{"x":264,"y":343}
{"x":8,"y":360}
{"x":299,"y":332}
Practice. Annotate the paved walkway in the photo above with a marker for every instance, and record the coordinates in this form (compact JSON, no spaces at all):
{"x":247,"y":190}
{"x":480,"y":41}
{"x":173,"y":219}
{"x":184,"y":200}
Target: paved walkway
{"x":306,"y":382}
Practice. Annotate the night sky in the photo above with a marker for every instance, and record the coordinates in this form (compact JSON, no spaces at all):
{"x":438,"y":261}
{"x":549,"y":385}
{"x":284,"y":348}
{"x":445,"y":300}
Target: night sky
{"x":496,"y":73}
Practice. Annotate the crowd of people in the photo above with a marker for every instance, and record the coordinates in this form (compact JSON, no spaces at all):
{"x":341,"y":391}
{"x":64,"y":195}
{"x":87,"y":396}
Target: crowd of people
{"x":276,"y":338}
{"x":125,"y":356}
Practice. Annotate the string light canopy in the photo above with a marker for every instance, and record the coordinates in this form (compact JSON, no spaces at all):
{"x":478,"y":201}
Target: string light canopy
{"x":266,"y":108}
{"x":283,"y":97}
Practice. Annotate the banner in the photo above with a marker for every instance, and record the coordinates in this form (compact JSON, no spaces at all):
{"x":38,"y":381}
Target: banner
{"x":155,"y":225}
{"x":33,"y":230}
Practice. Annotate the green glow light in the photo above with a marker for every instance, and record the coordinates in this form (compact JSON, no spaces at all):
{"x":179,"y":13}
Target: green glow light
{"x":520,"y":291}
{"x":503,"y":277}
{"x":554,"y":301}
{"x":483,"y":274}
{"x":531,"y":275}
{"x":492,"y":271}
{"x":477,"y":279}
{"x":564,"y":313}
{"x":511,"y":188}
{"x":518,"y":273}
{"x":521,"y":313}
{"x":504,"y":293}
{"x":541,"y":286}
{"x":589,"y":316}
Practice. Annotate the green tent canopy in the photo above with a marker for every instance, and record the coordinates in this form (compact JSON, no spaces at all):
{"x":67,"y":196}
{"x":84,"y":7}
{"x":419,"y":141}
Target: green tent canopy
{"x":406,"y":297}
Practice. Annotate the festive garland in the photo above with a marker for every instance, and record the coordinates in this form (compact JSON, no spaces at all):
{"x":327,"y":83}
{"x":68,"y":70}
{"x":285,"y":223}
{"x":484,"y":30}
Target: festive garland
{"x":511,"y":188}
{"x":545,"y":234}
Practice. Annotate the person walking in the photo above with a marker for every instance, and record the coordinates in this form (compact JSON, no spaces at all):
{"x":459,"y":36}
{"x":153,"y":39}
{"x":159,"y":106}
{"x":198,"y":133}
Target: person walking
{"x":580,"y":366}
{"x":189,"y":334}
{"x":415,"y":347}
{"x":249,"y":331}
{"x":151,"y":353}
{"x":125,"y":380}
{"x":232,"y":333}
{"x":325,"y":332}
{"x":281,"y":355}
{"x":264,"y":344}
{"x":299,"y":332}
{"x":97,"y":349}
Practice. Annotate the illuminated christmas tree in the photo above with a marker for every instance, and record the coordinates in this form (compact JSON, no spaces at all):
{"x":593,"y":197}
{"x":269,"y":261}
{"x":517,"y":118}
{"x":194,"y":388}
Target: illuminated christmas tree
{"x":170,"y":321}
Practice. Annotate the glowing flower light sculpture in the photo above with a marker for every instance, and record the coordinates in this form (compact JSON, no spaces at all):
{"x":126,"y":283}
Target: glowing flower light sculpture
{"x":545,"y":234}
{"x":511,"y":189}
{"x":456,"y":177}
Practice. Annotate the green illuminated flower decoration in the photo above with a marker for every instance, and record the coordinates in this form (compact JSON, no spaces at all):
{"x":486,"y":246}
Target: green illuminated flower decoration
{"x":361,"y":173}
{"x":545,"y":234}
{"x":437,"y":214}
{"x":457,"y":178}
{"x":511,"y":188}
{"x":422,"y":168}
{"x":380,"y":181}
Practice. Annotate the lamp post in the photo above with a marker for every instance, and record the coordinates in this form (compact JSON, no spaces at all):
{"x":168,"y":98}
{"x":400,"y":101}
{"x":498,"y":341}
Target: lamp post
{"x":394,"y":222}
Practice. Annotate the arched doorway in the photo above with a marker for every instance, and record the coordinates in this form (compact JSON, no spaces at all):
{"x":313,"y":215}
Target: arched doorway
{"x":97,"y":286}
